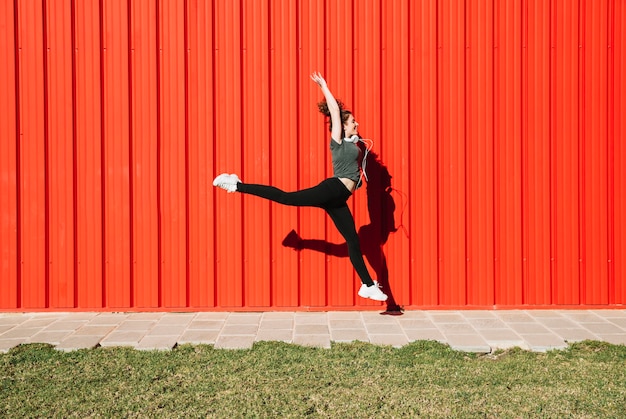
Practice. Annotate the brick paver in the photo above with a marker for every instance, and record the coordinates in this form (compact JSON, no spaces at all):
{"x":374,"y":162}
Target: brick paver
{"x":235,"y":342}
{"x":198,"y":337}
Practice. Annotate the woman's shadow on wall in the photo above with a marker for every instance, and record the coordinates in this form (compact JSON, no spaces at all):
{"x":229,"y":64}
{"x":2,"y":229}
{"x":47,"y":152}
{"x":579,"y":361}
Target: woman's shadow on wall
{"x":372,"y":236}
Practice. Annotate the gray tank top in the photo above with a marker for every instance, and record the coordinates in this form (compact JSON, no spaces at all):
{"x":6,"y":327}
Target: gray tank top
{"x":345,"y":159}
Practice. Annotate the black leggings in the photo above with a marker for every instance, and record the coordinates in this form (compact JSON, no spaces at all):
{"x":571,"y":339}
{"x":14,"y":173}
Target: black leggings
{"x":330,"y":195}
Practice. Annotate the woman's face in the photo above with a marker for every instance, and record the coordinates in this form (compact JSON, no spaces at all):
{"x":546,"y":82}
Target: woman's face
{"x":350,"y":127}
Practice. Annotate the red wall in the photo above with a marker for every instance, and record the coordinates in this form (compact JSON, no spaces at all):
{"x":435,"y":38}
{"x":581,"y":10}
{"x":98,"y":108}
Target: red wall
{"x":500,"y":123}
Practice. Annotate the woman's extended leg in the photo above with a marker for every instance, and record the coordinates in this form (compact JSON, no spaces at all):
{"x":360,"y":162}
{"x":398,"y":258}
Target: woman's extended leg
{"x":317,"y":196}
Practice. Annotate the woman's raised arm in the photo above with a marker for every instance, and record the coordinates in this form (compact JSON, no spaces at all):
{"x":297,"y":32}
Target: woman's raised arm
{"x":333,"y":107}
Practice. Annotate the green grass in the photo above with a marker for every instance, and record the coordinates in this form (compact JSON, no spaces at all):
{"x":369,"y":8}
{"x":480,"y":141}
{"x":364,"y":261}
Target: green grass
{"x":280,"y":380}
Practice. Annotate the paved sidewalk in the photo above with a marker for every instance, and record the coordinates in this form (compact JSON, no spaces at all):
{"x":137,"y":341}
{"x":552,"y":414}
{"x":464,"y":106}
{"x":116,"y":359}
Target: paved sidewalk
{"x":471,"y":331}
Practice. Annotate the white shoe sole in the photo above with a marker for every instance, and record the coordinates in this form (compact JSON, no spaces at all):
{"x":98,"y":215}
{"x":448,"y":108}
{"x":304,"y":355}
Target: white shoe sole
{"x":381,"y":297}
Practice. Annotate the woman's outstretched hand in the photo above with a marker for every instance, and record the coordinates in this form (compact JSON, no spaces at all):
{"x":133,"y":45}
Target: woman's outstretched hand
{"x":317,"y":78}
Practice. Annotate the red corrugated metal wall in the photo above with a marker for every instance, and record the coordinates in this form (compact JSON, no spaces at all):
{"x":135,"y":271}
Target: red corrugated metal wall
{"x":498,"y":177}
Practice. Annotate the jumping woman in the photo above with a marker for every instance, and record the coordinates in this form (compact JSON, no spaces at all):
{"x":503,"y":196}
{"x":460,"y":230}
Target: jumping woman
{"x":332,"y":193}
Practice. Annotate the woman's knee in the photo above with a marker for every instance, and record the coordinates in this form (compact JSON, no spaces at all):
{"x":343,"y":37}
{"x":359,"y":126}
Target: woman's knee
{"x":287,"y":198}
{"x":353,"y":243}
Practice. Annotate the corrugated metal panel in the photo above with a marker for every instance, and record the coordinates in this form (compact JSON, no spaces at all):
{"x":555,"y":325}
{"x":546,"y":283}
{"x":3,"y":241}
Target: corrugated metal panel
{"x":283,"y":148}
{"x":617,"y":134}
{"x":9,"y":266}
{"x":594,"y":194}
{"x":88,"y":155}
{"x":228,"y":151}
{"x":423,"y":168}
{"x":507,"y":127}
{"x":479,"y":152}
{"x":256,"y":139}
{"x":451,"y":131}
{"x":200,"y":126}
{"x":59,"y":145}
{"x":172,"y":152}
{"x":143,"y":154}
{"x":116,"y":154}
{"x":496,"y":177}
{"x":33,"y":284}
{"x":536,"y":151}
{"x":564,"y":93}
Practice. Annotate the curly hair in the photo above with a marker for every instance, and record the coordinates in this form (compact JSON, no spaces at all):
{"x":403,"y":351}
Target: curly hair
{"x":345,"y":113}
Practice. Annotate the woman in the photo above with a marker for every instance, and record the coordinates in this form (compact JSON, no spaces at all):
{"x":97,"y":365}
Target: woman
{"x":331,"y":194}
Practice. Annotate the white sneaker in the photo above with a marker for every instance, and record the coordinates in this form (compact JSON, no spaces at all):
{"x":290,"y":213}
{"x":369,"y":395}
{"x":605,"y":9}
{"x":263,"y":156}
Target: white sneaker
{"x":372,"y":292}
{"x":227,"y":182}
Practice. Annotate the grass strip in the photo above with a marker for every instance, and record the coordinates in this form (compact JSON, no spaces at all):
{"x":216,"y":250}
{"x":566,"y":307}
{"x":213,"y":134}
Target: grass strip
{"x":281,"y":380}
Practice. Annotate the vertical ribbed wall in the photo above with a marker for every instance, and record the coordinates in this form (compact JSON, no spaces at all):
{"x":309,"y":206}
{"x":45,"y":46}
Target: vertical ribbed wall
{"x":496,"y":179}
